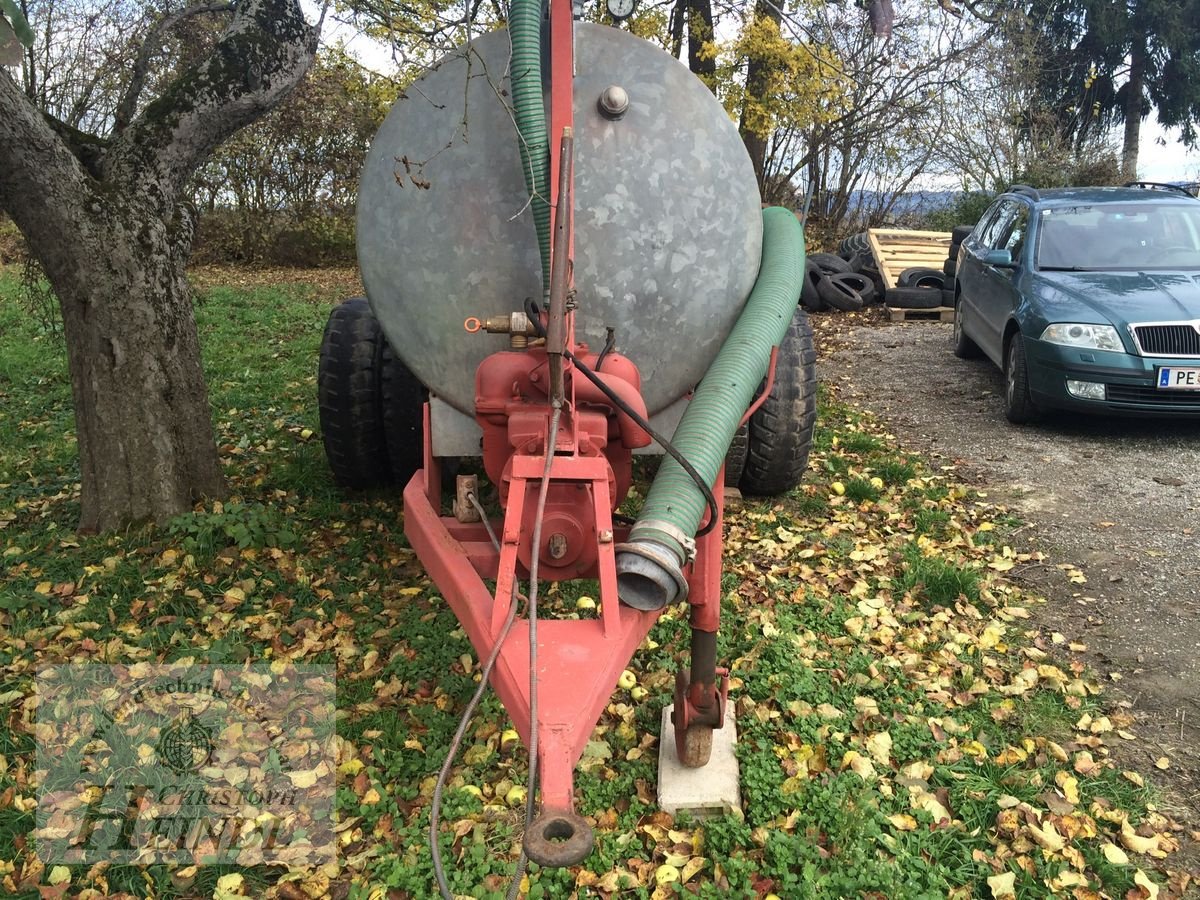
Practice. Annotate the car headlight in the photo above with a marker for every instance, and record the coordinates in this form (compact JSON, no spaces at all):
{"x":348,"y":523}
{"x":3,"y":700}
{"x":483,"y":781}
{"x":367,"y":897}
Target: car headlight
{"x":1094,"y":337}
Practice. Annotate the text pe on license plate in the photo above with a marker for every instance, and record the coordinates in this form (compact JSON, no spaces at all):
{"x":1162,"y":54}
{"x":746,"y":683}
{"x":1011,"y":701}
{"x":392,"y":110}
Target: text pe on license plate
{"x":1179,"y":378}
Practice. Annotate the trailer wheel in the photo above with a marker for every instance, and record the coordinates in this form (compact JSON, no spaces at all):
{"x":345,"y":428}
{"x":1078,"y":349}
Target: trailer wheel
{"x":693,"y":744}
{"x":781,"y":429}
{"x":348,"y":396}
{"x":695,"y":750}
{"x":735,"y":459}
{"x":403,"y":398}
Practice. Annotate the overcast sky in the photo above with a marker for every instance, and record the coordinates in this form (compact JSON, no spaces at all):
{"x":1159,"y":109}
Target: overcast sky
{"x":1161,"y":156}
{"x":1169,"y":161}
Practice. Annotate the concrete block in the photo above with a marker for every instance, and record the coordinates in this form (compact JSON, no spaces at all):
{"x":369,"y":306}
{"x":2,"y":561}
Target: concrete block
{"x":707,"y":791}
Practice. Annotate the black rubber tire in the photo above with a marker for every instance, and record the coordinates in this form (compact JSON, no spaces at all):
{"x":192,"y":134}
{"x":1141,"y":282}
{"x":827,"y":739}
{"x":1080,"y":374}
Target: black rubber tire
{"x":862,"y":285}
{"x":838,"y":294}
{"x":876,"y":279}
{"x":920,"y":276}
{"x":860,"y":262}
{"x":735,"y":459}
{"x":855,"y":244}
{"x":963,"y":346}
{"x":913,"y":298}
{"x":950,"y":267}
{"x":810,"y":296}
{"x":781,"y":430}
{"x":1019,"y":407}
{"x":403,"y":398}
{"x":829,"y":263}
{"x":959,"y":233}
{"x":948,"y":296}
{"x":348,"y":396}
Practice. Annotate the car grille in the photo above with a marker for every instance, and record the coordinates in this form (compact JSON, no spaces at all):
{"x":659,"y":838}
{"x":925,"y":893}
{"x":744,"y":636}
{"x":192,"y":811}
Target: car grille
{"x":1124,"y":393}
{"x":1168,"y":340}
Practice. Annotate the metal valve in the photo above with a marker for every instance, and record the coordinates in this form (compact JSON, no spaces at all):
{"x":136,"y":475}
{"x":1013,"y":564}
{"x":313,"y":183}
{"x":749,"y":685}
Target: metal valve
{"x":517,"y":325}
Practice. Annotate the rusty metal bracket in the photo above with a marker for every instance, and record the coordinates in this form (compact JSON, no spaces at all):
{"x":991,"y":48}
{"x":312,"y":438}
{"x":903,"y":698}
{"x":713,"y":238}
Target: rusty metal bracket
{"x":766,"y":391}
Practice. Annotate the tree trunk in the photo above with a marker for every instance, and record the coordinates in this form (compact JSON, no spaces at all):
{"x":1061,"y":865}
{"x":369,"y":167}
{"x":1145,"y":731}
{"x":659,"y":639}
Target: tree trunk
{"x":757,"y":78}
{"x":700,"y":32}
{"x":131,"y":333}
{"x":678,"y":19}
{"x":1134,"y":110}
{"x":113,"y":238}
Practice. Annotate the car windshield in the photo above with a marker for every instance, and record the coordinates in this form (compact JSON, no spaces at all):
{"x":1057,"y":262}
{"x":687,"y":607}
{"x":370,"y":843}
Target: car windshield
{"x":1115,"y":236}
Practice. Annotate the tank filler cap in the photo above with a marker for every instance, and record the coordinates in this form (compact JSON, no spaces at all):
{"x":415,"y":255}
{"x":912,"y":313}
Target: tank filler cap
{"x":613,"y":102}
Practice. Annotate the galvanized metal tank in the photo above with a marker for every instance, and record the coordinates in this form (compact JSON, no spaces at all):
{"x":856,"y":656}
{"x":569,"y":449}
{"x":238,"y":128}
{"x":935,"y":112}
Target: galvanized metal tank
{"x":668,"y":230}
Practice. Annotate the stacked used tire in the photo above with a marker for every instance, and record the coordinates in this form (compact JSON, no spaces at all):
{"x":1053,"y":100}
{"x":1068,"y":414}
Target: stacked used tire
{"x":926,"y":288}
{"x":916,"y":288}
{"x":845,"y":281}
{"x":950,"y":266}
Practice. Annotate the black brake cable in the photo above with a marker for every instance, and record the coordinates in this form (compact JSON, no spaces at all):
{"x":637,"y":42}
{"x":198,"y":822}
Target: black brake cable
{"x":435,"y":808}
{"x":662,"y":441}
{"x":535,"y":317}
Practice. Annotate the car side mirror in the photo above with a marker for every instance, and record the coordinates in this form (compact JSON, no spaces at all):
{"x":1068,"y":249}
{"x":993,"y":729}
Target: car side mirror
{"x":1001,"y":259}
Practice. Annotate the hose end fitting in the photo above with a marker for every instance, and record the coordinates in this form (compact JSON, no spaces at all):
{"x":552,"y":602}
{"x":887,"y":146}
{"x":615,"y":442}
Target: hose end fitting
{"x":649,"y":575}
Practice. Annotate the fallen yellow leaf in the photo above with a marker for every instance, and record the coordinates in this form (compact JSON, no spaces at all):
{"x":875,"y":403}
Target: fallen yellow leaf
{"x":1142,"y":880}
{"x":1069,"y":785}
{"x":1115,"y":855}
{"x":1003,"y":886}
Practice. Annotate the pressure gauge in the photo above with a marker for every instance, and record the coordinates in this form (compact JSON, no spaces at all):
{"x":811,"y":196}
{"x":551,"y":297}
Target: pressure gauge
{"x":620,"y":9}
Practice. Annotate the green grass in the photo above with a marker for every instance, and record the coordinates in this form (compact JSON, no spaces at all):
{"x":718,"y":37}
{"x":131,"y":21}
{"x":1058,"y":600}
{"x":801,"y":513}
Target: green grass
{"x":846,"y":617}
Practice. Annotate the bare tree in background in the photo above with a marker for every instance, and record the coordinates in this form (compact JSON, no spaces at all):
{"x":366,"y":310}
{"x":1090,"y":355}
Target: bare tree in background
{"x":107,"y":216}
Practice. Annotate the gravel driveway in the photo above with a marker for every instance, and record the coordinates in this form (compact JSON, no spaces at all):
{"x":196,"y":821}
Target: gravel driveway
{"x":1117,"y":497}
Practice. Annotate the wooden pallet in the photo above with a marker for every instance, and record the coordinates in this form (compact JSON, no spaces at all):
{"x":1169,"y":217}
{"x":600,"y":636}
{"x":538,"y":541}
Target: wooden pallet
{"x":937,"y":314}
{"x":896,"y":250}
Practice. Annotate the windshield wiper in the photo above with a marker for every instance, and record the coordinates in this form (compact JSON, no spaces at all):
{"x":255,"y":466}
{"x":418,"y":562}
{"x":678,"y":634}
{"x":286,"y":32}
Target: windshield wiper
{"x":1064,"y":269}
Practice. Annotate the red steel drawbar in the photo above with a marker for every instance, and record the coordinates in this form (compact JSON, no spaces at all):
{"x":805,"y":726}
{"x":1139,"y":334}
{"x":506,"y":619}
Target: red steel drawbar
{"x":579,"y":660}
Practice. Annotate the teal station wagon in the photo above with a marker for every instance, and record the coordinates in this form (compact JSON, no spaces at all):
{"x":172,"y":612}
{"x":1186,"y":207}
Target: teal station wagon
{"x":1087,"y":299}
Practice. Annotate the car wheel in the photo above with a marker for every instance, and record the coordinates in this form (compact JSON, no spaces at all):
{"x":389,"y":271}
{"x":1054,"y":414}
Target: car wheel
{"x":964,"y":347}
{"x":1018,"y":403}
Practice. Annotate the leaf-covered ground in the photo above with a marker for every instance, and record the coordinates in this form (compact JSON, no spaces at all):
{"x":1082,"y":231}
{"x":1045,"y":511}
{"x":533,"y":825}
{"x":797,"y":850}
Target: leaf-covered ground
{"x":906,"y":731}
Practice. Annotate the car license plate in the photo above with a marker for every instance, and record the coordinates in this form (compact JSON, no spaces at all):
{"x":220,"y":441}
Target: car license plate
{"x":1179,"y":379}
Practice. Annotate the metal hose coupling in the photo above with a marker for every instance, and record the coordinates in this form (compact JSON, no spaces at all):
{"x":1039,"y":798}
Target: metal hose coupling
{"x":650,"y":565}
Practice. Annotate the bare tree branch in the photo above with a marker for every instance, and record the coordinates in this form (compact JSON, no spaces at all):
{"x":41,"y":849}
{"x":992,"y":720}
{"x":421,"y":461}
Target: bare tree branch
{"x":263,"y":55}
{"x":151,"y":45}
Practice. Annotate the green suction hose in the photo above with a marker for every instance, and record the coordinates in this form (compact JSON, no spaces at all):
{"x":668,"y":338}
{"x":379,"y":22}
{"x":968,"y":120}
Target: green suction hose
{"x":650,"y":565}
{"x":525,"y":29}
